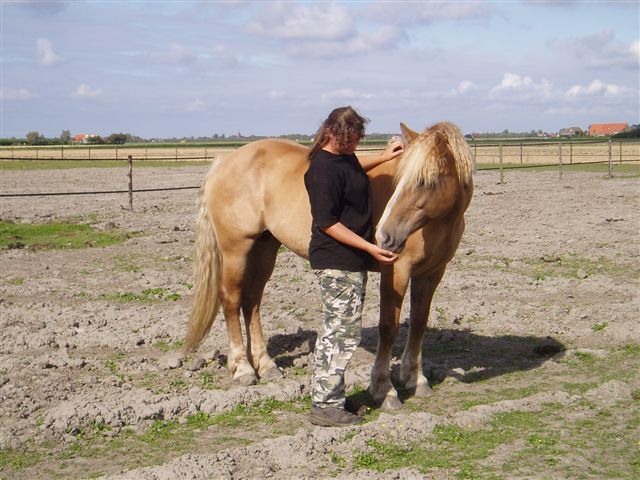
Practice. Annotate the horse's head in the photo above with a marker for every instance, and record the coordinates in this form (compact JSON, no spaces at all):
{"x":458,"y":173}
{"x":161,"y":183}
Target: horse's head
{"x":435,"y":168}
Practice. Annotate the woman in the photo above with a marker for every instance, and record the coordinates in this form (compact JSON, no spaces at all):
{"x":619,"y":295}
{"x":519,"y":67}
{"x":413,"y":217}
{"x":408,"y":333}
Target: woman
{"x":341,"y":251}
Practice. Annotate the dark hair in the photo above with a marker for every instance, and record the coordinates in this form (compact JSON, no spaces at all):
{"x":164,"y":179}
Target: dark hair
{"x":342,"y":122}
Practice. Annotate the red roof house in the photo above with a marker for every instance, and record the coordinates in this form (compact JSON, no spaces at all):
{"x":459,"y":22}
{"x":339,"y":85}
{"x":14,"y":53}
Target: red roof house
{"x":605,"y":129}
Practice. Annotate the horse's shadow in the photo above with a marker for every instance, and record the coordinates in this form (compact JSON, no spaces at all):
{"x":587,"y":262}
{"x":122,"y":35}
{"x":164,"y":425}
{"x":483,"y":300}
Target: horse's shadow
{"x":467,"y":356}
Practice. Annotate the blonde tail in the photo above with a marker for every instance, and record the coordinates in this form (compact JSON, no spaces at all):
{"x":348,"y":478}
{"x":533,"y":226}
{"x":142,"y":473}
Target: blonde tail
{"x":206,"y":263}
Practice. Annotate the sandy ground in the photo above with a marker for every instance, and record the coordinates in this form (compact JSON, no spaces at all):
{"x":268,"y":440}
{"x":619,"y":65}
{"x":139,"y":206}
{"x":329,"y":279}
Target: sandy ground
{"x":554,"y":261}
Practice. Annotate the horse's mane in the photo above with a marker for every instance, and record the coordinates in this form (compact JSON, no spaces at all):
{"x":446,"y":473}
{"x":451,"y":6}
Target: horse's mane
{"x":422,"y":159}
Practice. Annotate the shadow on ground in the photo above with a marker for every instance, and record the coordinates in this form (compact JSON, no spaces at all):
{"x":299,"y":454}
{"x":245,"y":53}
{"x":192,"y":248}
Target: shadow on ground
{"x":467,"y":356}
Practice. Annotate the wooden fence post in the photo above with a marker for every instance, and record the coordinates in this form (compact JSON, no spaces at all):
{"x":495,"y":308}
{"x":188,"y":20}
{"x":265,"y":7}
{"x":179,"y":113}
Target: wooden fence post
{"x":520,"y":153}
{"x":620,"y":152}
{"x":145,"y":153}
{"x":89,"y":153}
{"x":501,"y":171}
{"x":571,"y":153}
{"x":610,"y":168}
{"x":130,"y":175}
{"x":560,"y":158}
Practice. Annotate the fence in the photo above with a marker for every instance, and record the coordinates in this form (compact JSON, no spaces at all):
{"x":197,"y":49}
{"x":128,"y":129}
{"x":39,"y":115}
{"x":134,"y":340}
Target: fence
{"x":491,"y":156}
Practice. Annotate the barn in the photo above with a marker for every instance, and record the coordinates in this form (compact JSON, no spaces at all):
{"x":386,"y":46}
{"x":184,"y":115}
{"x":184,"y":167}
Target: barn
{"x":606,"y":129}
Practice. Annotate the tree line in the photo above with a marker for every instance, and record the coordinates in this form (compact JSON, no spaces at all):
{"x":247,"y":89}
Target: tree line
{"x":65,"y":138}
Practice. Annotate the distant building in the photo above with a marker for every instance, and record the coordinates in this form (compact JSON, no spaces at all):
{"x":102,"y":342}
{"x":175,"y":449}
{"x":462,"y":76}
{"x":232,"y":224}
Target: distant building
{"x":606,"y":129}
{"x":83,"y":137}
{"x":570,"y":132}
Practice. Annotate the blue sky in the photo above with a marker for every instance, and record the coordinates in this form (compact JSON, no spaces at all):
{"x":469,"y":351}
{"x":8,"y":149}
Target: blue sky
{"x":165,"y":69}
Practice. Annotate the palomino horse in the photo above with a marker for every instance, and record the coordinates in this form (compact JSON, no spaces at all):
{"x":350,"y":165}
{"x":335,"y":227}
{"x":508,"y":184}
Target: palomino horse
{"x":255,"y":200}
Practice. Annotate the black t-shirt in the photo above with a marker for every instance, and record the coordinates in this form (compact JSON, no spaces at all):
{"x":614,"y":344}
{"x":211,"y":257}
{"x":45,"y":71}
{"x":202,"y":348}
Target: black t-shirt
{"x":339,"y":191}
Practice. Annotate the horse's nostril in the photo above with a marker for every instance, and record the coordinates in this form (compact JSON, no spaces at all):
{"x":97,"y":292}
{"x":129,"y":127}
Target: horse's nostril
{"x":383,"y":239}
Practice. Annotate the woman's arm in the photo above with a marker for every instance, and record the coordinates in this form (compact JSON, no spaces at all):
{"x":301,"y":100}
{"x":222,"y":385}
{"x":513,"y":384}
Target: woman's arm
{"x":339,"y":232}
{"x":393,"y":149}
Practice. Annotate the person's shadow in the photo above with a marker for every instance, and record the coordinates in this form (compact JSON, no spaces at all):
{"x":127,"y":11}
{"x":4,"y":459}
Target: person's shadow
{"x":467,"y":356}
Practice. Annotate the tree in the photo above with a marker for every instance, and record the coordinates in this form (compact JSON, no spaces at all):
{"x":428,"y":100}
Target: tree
{"x":65,"y":136}
{"x":33,"y":138}
{"x":95,"y":139}
{"x":117,"y":138}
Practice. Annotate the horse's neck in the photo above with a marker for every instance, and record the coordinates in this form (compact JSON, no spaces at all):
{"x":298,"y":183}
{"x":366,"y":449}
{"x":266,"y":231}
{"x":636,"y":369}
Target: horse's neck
{"x":382,"y":178}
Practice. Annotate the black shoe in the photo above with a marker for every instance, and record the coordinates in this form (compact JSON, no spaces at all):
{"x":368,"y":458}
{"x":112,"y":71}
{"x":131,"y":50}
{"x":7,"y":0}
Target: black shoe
{"x":332,"y":417}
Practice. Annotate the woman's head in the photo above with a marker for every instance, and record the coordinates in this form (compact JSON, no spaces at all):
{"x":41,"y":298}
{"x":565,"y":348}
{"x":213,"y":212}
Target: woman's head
{"x":344,"y":126}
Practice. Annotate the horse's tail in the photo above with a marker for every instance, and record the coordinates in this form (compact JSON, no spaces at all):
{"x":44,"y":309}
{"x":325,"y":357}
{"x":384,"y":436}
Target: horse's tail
{"x":206,"y":265}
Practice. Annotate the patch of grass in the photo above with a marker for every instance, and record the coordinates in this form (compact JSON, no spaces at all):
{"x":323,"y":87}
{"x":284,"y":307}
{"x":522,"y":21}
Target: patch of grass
{"x":262,"y":412}
{"x":126,"y":263}
{"x":631,"y":349}
{"x":165,"y":346}
{"x":148,"y":295}
{"x":17,"y":459}
{"x":112,"y":364}
{"x":598,"y":327}
{"x":56,"y":236}
{"x":206,"y":380}
{"x":15,"y":281}
{"x":159,"y":430}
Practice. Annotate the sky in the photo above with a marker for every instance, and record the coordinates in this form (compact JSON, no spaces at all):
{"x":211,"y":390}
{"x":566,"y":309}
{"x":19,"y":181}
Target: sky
{"x":187,"y":69}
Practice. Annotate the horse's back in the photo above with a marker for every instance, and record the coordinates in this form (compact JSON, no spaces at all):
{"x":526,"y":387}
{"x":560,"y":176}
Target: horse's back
{"x":260,"y":187}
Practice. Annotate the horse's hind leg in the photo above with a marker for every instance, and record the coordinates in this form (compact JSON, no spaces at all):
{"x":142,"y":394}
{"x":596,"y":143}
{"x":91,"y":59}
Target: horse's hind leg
{"x":233,"y":275}
{"x":411,"y":375}
{"x":262,"y":259}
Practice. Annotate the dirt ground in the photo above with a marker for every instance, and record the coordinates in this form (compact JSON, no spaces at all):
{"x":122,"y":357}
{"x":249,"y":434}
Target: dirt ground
{"x":534,"y":310}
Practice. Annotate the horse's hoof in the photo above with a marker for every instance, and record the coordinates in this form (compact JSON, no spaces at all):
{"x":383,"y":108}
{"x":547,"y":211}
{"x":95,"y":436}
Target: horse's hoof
{"x":423,"y":391}
{"x":272,"y":373}
{"x":246,"y":380}
{"x":391,"y":403}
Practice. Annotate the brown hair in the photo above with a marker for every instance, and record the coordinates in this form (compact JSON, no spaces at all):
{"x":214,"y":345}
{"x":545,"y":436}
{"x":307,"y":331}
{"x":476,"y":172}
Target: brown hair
{"x":342,"y":123}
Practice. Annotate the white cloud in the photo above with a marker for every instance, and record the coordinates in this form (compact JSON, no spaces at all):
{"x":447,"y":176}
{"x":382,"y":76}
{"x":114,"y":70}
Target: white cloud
{"x":464,"y":87}
{"x":601,"y":50}
{"x":277,"y":94}
{"x":517,"y":87}
{"x":427,"y":12}
{"x":634,"y":50}
{"x":46,"y":55}
{"x":596,"y":88}
{"x":224,"y":57}
{"x":383,"y":38}
{"x":438,"y":10}
{"x":15,"y":94}
{"x":345,"y":94}
{"x":85,"y":91}
{"x":178,"y":54}
{"x":195,"y":106}
{"x":321,"y":22}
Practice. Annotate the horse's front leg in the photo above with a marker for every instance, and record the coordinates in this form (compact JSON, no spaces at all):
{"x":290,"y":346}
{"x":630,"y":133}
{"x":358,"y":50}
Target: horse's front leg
{"x":411,"y":375}
{"x":393,"y":286}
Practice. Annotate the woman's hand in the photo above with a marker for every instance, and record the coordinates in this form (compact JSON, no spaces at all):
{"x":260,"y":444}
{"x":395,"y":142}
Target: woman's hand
{"x":381,"y":255}
{"x":393,"y":149}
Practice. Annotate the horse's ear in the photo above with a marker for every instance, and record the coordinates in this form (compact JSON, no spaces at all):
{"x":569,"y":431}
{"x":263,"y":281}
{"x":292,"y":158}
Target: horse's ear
{"x":409,"y":134}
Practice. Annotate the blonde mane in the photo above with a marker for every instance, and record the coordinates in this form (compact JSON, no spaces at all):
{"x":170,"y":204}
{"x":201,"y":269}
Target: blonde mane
{"x":424,"y":157}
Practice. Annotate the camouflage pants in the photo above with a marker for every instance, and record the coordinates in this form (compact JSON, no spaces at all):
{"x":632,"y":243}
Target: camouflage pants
{"x":342,"y":296}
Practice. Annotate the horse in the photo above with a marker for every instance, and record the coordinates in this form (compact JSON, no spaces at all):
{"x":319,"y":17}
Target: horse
{"x":254,"y":200}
